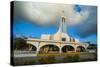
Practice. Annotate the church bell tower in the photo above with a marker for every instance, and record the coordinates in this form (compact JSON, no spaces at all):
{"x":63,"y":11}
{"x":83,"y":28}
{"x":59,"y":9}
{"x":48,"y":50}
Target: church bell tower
{"x":62,"y":31}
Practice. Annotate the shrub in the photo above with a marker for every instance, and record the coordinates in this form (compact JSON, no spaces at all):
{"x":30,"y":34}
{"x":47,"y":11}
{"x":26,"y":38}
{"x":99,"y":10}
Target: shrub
{"x":48,"y":60}
{"x":68,"y":58}
{"x":76,"y":57}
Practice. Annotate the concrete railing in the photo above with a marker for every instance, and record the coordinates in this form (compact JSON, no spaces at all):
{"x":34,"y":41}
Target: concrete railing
{"x":24,"y":53}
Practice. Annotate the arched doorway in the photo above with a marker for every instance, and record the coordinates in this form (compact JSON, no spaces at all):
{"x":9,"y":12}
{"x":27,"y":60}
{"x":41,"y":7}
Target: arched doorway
{"x":32,"y":47}
{"x":49,"y":48}
{"x":80,"y":49}
{"x":68,"y":48}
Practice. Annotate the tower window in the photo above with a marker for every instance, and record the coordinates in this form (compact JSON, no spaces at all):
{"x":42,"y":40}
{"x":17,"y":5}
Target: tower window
{"x":63,"y":39}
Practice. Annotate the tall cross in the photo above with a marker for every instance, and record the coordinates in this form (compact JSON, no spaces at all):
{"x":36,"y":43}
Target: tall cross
{"x":63,"y":20}
{"x":63,"y":17}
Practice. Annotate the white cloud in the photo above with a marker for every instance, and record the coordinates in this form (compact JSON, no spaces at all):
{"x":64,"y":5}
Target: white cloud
{"x":45,"y":13}
{"x":42,"y":13}
{"x":84,"y":22}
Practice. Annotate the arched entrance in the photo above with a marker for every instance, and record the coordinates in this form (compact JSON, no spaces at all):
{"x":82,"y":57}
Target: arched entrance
{"x":32,"y":47}
{"x":49,"y":48}
{"x":80,"y":49}
{"x":68,"y":48}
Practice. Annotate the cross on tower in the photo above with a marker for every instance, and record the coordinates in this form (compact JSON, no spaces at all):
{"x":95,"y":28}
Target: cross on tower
{"x":62,"y":26}
{"x":63,"y":23}
{"x":63,"y":17}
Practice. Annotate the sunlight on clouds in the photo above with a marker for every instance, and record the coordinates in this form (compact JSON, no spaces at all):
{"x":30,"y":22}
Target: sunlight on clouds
{"x":77,"y":18}
{"x":45,"y":13}
{"x":82,"y":21}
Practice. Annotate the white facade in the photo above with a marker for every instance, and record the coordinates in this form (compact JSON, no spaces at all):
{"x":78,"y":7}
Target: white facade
{"x":59,"y":39}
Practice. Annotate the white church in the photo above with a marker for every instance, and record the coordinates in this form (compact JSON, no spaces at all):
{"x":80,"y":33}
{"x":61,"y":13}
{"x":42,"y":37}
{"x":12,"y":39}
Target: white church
{"x":58,"y":42}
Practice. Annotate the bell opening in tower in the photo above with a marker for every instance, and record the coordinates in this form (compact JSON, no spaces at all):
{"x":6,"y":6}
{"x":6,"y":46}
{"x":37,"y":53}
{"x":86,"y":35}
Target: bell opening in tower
{"x":63,"y":39}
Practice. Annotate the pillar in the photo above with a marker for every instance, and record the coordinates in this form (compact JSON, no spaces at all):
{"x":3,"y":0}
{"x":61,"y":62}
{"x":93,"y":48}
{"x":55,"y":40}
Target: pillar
{"x":37,"y":51}
{"x":75,"y":47}
{"x":60,"y":50}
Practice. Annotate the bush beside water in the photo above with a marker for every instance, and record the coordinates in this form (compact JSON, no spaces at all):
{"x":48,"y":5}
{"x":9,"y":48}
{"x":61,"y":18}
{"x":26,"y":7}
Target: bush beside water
{"x":70,"y":58}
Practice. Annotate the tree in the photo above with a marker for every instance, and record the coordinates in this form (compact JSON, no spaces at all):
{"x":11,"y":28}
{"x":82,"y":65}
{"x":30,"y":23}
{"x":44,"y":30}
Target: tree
{"x":19,"y":44}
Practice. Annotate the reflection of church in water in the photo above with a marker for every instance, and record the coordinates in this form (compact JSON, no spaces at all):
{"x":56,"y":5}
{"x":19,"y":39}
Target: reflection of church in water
{"x":58,"y":42}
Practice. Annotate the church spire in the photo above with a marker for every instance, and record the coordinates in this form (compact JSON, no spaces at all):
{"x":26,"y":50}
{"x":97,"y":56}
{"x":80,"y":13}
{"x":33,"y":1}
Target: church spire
{"x":62,"y":27}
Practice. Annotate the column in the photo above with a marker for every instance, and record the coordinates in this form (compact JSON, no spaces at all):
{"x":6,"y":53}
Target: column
{"x":60,"y":50}
{"x":37,"y":47}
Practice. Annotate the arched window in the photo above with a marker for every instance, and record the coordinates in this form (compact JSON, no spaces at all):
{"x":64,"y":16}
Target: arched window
{"x":80,"y":49}
{"x":67,"y":48}
{"x":32,"y":47}
{"x":49,"y":48}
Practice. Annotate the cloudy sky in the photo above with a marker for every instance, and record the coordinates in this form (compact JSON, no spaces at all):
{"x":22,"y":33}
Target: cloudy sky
{"x":34,"y":19}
